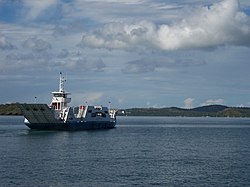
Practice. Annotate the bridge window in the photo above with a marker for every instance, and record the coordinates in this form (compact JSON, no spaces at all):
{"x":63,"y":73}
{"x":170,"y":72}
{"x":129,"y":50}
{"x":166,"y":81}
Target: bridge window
{"x":56,"y":106}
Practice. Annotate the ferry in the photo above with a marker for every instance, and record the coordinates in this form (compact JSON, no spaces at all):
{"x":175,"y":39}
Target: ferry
{"x":59,"y":116}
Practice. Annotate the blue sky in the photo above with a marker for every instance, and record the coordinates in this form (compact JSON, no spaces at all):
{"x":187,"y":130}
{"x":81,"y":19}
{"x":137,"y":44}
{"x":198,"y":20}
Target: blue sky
{"x":133,"y":53}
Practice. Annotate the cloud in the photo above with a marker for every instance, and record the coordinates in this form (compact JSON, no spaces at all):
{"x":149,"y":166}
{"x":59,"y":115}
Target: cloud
{"x":64,"y":53}
{"x":116,"y":1}
{"x":36,"y":7}
{"x":92,"y":64}
{"x":220,"y":24}
{"x":43,"y":60}
{"x":89,"y":98}
{"x":86,"y":64}
{"x":5,"y":44}
{"x":240,"y":105}
{"x":59,"y":31}
{"x":213,"y":102}
{"x":36,"y":44}
{"x":150,"y":64}
{"x":139,"y":66}
{"x":118,"y":35}
{"x":26,"y":62}
{"x":188,"y":103}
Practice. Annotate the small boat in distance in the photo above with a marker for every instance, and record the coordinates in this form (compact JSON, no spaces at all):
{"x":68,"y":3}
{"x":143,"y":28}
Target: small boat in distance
{"x":59,"y":116}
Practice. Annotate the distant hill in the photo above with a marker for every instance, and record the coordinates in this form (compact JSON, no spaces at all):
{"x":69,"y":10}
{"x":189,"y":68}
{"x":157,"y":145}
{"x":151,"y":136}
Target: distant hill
{"x":211,"y":110}
{"x":9,"y":109}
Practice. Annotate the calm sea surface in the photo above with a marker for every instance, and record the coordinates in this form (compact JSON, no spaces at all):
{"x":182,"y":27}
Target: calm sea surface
{"x":140,"y":151}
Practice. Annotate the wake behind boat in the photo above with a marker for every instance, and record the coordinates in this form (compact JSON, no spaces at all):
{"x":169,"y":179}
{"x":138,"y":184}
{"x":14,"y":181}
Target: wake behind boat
{"x":59,"y":116}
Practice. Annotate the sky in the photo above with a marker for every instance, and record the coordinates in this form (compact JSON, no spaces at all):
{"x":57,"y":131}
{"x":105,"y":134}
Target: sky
{"x":131,"y":53}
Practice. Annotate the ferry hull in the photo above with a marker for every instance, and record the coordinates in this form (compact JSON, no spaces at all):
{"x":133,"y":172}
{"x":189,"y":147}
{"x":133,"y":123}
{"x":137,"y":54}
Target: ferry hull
{"x":72,"y":126}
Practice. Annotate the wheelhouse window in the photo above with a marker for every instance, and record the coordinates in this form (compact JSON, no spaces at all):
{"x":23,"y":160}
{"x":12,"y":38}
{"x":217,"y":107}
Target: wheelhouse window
{"x":60,"y":95}
{"x":56,"y":106}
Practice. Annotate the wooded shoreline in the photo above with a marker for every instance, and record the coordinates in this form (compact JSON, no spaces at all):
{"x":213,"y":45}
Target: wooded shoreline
{"x":210,"y":111}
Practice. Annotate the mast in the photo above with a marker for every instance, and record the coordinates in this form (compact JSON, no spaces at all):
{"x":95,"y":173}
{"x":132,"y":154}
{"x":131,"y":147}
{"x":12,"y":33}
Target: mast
{"x":61,"y":83}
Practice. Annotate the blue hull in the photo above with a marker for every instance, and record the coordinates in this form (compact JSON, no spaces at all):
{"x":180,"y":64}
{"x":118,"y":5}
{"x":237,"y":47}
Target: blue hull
{"x":72,"y":126}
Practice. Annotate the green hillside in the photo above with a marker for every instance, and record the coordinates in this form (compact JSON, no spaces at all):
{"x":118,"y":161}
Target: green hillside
{"x":211,"y":110}
{"x":9,"y":109}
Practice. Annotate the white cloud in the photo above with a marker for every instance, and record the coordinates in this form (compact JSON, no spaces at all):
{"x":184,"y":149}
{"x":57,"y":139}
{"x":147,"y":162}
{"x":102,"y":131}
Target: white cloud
{"x":213,"y":102}
{"x":88,"y":98}
{"x":240,"y":105}
{"x":118,"y":35}
{"x":220,"y":24}
{"x":91,"y":64}
{"x":188,"y":103}
{"x":64,"y":53}
{"x":139,"y":66}
{"x":36,"y":7}
{"x":24,"y":62}
{"x":115,"y":1}
{"x":159,"y":63}
{"x":36,"y":44}
{"x":5,"y":44}
{"x":83,"y":64}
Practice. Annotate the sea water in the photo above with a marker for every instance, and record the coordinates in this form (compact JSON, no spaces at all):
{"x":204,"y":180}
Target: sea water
{"x":140,"y":151}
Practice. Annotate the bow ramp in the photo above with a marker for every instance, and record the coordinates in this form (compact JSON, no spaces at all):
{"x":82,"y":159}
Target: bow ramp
{"x":38,"y":113}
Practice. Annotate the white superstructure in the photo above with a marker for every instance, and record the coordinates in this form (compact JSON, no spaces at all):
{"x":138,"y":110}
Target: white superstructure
{"x":60,"y":99}
{"x":66,"y":113}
